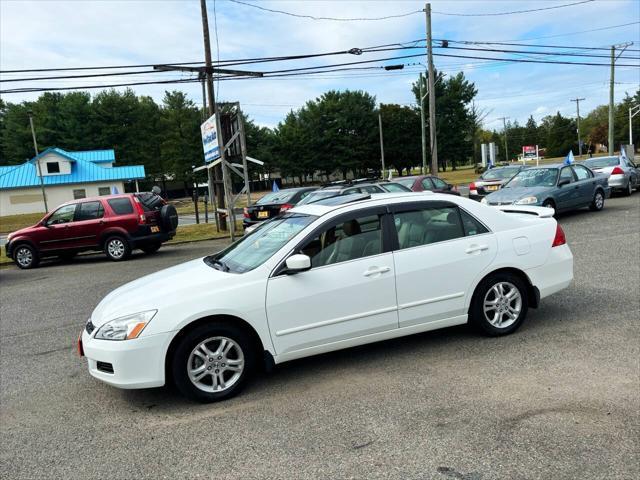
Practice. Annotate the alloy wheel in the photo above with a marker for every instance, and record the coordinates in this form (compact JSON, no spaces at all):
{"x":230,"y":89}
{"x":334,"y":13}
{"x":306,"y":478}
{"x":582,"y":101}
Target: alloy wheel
{"x":215,"y":364}
{"x":502,"y":304}
{"x":116,"y":248}
{"x":24,"y":256}
{"x":599,"y":200}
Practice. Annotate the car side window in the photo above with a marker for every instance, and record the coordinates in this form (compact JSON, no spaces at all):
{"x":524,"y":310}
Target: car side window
{"x":581,"y":172}
{"x":372,"y":189}
{"x":351,"y":191}
{"x":348,"y":240}
{"x":428,"y":225}
{"x":426,"y":184}
{"x":471,"y":225}
{"x":89,"y":211}
{"x":566,"y":174}
{"x":120,"y":206}
{"x":439,"y":183}
{"x":62,"y":215}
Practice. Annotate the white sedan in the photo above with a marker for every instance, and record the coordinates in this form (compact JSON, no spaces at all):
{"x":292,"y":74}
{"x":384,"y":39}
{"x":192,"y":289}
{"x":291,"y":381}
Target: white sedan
{"x":318,"y":278}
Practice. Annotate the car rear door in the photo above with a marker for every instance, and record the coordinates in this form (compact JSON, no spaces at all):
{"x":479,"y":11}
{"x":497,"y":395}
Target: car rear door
{"x":440,"y":252}
{"x":89,"y":224}
{"x":348,"y":292}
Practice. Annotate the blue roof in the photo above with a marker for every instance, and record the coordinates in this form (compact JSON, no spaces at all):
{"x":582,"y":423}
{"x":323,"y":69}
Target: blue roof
{"x":83,"y":170}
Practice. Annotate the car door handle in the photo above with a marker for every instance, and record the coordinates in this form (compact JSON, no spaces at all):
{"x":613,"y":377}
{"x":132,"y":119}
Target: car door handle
{"x":476,"y":248}
{"x":376,"y":271}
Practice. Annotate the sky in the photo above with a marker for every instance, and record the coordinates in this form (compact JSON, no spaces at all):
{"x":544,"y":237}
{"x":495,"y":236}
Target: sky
{"x":55,"y":34}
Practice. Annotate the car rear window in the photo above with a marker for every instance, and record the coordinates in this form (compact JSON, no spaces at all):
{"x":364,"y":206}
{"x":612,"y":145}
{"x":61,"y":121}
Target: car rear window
{"x":602,"y":162}
{"x":276,"y":197}
{"x":499,"y":173}
{"x":121,"y":206}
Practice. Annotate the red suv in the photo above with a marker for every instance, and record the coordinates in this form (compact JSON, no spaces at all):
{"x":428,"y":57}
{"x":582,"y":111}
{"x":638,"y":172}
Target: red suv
{"x":115,"y":224}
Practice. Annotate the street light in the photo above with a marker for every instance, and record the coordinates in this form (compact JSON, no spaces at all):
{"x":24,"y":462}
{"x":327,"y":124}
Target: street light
{"x":35,"y":147}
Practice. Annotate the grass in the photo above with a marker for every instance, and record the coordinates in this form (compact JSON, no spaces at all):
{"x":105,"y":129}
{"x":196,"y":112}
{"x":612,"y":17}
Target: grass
{"x":202,"y":231}
{"x":4,"y":260}
{"x":11,"y":223}
{"x":185,"y":206}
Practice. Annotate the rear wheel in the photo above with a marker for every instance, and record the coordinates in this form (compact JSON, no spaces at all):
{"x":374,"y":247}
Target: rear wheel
{"x":212,"y":362}
{"x":117,"y":248}
{"x":598,"y":201}
{"x":26,"y":256}
{"x":150,"y":248}
{"x":629,"y":190}
{"x":499,"y":304}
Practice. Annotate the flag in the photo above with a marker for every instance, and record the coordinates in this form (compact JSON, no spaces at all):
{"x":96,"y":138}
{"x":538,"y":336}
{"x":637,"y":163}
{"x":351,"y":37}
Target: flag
{"x":489,"y":163}
{"x":623,"y":154}
{"x":274,"y":187}
{"x":390,"y":175}
{"x":569,"y":159}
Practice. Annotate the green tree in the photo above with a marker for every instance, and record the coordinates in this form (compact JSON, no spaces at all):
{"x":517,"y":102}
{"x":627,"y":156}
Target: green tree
{"x":402,"y":141}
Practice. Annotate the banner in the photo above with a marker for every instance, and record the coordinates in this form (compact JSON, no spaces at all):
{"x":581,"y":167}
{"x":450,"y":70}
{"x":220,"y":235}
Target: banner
{"x":210,"y":139}
{"x":529,"y":151}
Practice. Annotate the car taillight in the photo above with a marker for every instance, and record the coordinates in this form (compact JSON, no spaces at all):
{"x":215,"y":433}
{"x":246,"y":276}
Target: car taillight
{"x":285,"y":207}
{"x":473,"y":188}
{"x":617,"y":171}
{"x":245,"y":213}
{"x":141,"y":217}
{"x":559,"y":239}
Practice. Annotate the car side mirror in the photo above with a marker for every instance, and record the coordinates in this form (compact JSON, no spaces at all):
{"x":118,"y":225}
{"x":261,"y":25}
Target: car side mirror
{"x":297,"y":263}
{"x":564,"y":181}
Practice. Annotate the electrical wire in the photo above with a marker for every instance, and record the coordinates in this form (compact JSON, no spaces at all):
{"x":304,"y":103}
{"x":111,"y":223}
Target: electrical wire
{"x":513,"y":12}
{"x":568,"y":34}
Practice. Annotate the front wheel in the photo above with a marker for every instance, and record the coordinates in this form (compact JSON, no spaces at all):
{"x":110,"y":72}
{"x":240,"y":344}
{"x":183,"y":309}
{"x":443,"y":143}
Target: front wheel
{"x":499,"y":304}
{"x":26,"y":257}
{"x":598,"y":201}
{"x":212,"y":362}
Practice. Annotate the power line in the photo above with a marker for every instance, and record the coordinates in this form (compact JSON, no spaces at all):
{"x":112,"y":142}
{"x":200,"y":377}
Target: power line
{"x":559,"y":54}
{"x":511,"y":13}
{"x":470,"y":42}
{"x":610,"y":27}
{"x":335,"y":19}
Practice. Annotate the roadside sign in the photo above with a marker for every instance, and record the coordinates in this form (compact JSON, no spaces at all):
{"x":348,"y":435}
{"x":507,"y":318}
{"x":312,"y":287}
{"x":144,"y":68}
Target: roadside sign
{"x":210,"y":143}
{"x":529,"y":151}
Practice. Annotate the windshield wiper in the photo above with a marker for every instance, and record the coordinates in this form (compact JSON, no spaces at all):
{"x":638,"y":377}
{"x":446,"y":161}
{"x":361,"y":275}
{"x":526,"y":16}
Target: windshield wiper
{"x":219,"y":263}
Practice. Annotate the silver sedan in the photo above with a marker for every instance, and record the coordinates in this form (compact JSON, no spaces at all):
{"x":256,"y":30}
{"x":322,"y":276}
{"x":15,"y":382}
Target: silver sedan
{"x":624,"y":174}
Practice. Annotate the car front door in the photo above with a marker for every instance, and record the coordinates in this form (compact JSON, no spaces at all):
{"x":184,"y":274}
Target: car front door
{"x":586,"y":184}
{"x":441,"y":251}
{"x":568,"y":195}
{"x":59,"y":231}
{"x":348,"y":292}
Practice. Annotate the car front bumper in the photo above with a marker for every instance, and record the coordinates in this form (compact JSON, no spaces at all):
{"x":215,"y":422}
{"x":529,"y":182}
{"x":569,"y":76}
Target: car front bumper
{"x":137,"y":363}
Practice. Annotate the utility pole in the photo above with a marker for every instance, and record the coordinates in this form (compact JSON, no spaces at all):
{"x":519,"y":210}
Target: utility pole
{"x":622,"y":47}
{"x":633,"y":111}
{"x":422,"y":125}
{"x":578,"y":100}
{"x":381,"y":142}
{"x":432,"y":96}
{"x":504,"y":124}
{"x":218,"y":170}
{"x":35,"y":147}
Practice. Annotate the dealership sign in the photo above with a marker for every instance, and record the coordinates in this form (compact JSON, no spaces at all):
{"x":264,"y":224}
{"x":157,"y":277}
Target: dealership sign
{"x":210,"y":139}
{"x":530,"y":151}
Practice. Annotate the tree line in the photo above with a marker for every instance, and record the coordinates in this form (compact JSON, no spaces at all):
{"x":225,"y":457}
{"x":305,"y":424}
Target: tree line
{"x":336,"y":133}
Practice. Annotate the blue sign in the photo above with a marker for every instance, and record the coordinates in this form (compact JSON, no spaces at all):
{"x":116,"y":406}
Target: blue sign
{"x":210,"y":143}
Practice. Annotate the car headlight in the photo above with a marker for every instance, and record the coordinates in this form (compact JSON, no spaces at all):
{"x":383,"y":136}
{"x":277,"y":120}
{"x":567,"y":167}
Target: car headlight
{"x":484,"y":200}
{"x":125,"y":328}
{"x":526,"y":201}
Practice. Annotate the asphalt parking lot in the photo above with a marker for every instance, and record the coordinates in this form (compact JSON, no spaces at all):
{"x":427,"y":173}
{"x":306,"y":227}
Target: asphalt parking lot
{"x":558,"y":399}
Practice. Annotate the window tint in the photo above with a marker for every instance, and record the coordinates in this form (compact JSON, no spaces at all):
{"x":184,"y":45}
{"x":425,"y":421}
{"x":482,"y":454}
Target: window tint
{"x":349,"y":240}
{"x":62,"y":215}
{"x":581,"y":172}
{"x":439,"y":183}
{"x":566,"y":174}
{"x":471,"y":225}
{"x":429,"y":225}
{"x":53,"y":167}
{"x":89,"y":211}
{"x":121,"y":206}
{"x":426,"y":184}
{"x":371,"y":189}
{"x":80,"y":193}
{"x":104,"y":191}
{"x":393,"y":187}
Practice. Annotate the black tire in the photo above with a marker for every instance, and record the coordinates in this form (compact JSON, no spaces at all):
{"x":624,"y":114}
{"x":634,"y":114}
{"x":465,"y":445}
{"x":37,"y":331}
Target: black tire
{"x":168,"y":218}
{"x":117,"y":248}
{"x":548,"y":203}
{"x":25,"y":256}
{"x":629,"y":190}
{"x":486,"y":323}
{"x":180,"y":362}
{"x":597,"y":203}
{"x":150,"y":248}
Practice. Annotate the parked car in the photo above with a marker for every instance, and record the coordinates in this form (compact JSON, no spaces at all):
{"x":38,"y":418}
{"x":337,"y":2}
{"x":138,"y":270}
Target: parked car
{"x":393,"y":187}
{"x":491,"y":181}
{"x":325,"y":277}
{"x":421,"y":183}
{"x":342,"y":189}
{"x":561,"y":187}
{"x":115,"y":224}
{"x":272,"y":204}
{"x":624,"y":174}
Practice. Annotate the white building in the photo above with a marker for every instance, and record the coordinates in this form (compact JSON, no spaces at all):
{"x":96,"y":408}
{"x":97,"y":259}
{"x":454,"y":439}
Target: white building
{"x":66,"y":176}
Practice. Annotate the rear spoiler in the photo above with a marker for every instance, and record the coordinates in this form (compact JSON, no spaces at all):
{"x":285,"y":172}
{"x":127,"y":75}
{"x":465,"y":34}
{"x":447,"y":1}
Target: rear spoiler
{"x":540,"y":212}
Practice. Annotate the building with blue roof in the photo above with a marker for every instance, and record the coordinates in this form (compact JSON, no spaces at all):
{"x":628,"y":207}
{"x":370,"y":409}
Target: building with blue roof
{"x":66,"y":176}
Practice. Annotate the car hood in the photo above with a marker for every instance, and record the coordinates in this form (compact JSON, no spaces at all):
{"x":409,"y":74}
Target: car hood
{"x":512,"y":194}
{"x":154,"y":291}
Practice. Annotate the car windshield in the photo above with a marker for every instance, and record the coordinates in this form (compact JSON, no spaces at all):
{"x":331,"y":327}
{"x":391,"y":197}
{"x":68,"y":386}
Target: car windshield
{"x":283,"y":196}
{"x":534,"y":177}
{"x":602,"y":162}
{"x":318,"y":195}
{"x":407,"y":182}
{"x":254,"y":249}
{"x":500,"y":173}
